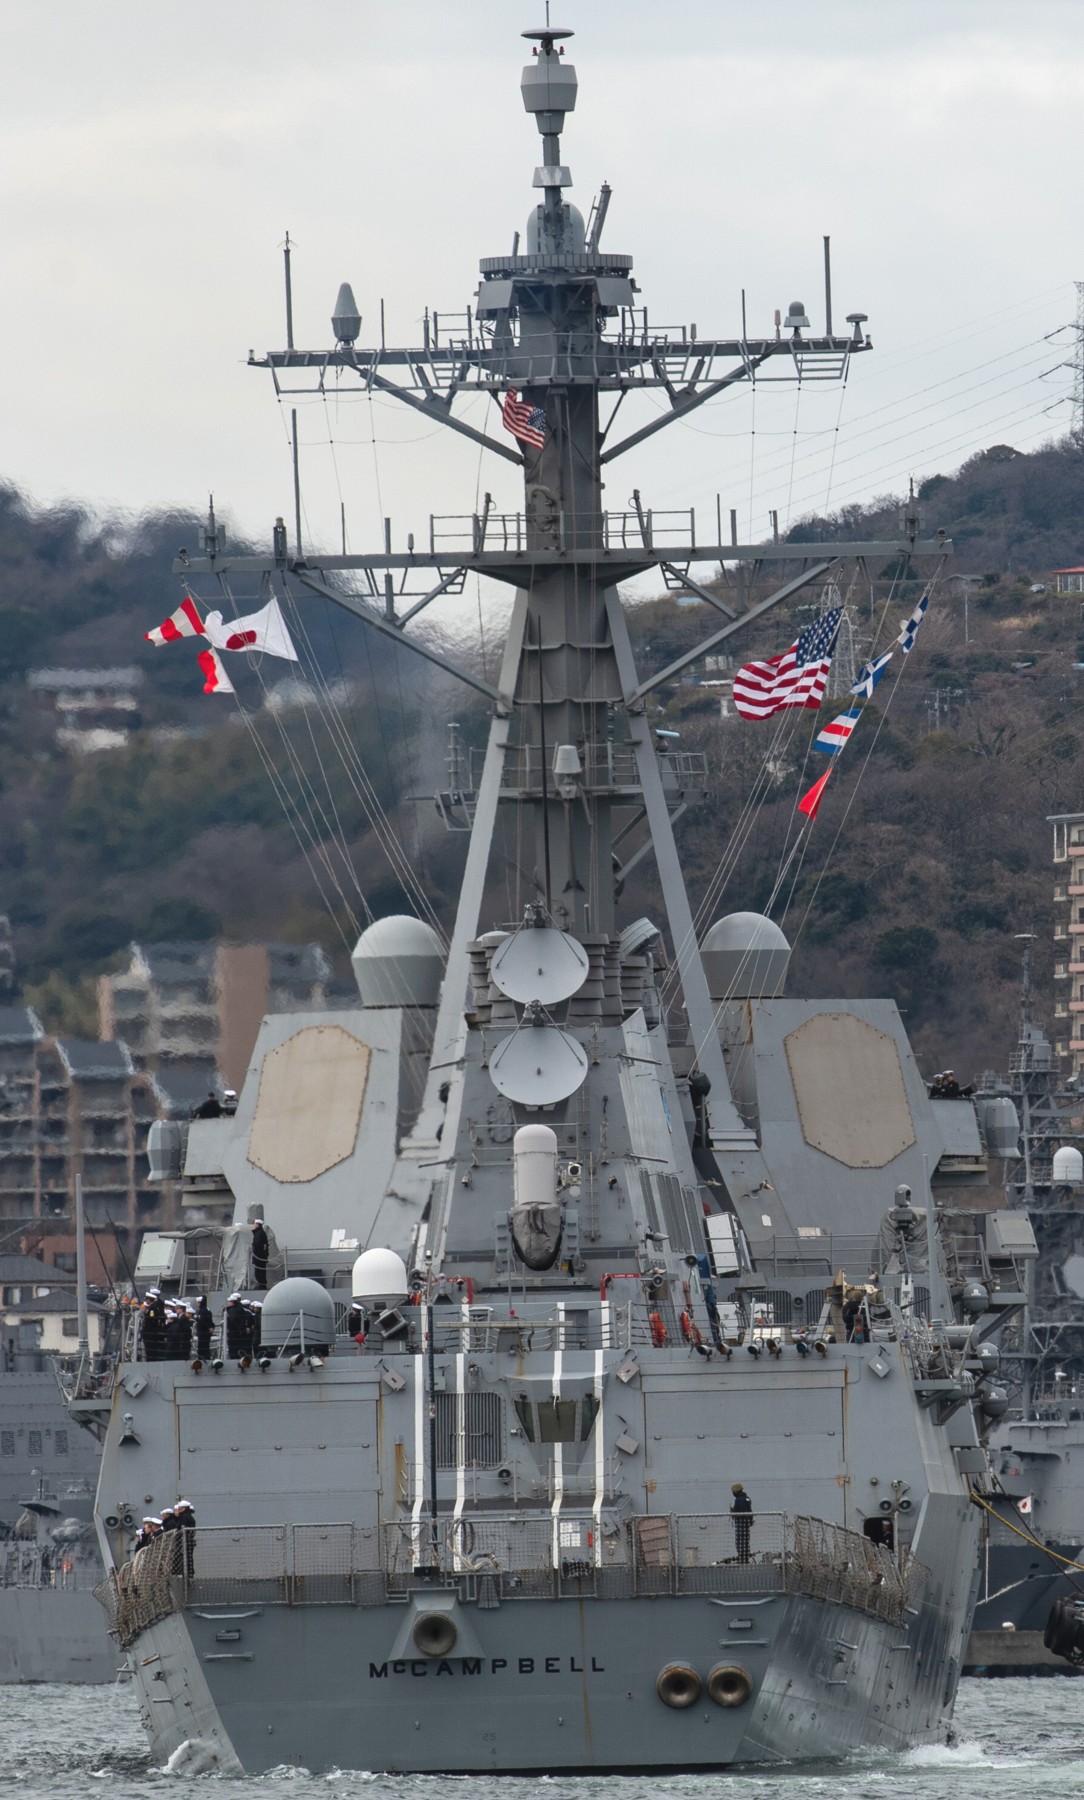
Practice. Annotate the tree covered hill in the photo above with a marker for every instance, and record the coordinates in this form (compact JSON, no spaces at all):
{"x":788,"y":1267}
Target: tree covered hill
{"x":248,"y":821}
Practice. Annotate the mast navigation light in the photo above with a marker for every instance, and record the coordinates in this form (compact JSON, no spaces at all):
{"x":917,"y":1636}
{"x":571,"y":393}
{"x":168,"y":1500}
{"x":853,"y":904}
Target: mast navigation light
{"x":346,"y":319}
{"x":796,"y":318}
{"x":567,"y":770}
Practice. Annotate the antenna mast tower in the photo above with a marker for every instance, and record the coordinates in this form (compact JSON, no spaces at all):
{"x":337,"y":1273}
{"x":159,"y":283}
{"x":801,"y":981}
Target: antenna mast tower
{"x":1077,"y":368}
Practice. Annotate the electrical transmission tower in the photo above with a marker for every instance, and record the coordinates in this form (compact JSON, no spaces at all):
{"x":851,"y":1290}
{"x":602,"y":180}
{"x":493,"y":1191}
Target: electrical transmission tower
{"x":1077,"y":368}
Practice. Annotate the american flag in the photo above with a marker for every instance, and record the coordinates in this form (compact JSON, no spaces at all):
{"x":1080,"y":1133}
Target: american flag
{"x":797,"y":678}
{"x":524,"y":421}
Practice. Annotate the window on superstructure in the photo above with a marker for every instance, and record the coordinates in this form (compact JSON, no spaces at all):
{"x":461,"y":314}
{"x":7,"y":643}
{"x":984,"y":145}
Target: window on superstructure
{"x":33,"y":1443}
{"x":557,"y":1421}
{"x":7,"y":1443}
{"x":60,"y":1442}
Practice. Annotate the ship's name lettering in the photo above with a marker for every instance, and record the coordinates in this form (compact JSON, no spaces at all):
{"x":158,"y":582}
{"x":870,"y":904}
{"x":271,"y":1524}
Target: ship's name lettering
{"x":497,"y":1665}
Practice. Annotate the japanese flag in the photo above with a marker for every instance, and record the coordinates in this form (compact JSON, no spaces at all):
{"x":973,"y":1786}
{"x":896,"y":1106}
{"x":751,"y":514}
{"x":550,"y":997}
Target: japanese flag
{"x":263,"y":630}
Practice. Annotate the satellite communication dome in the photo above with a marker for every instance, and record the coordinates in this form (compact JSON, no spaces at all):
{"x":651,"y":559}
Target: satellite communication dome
{"x":1068,"y":1170}
{"x":399,"y":961}
{"x":745,"y":957}
{"x":298,"y":1314}
{"x":379,"y":1275}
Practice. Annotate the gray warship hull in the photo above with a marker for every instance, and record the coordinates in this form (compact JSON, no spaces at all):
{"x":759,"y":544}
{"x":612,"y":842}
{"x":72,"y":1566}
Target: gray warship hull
{"x":48,"y":1635}
{"x":51,"y":1628}
{"x":556,"y":1684}
{"x":615,"y":1408}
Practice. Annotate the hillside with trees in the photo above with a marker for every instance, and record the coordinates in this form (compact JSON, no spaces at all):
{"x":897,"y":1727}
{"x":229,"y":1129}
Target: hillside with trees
{"x":269,"y":817}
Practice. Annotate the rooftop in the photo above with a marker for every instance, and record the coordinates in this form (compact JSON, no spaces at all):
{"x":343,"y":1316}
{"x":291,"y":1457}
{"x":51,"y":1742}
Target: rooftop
{"x":91,"y":1059}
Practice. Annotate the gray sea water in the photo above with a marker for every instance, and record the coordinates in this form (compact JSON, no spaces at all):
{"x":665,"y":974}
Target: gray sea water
{"x":1015,"y":1739}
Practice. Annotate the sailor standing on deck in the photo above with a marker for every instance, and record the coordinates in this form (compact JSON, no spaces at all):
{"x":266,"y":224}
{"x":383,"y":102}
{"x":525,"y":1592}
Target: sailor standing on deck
{"x":741,"y":1509}
{"x":153,"y":1326}
{"x":237,"y":1328}
{"x":204,"y":1326}
{"x":261,"y":1246}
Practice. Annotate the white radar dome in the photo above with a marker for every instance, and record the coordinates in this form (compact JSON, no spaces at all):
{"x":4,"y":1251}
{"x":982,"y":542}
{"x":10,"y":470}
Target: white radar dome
{"x":379,"y":1275}
{"x":745,"y":957}
{"x":399,"y":961}
{"x":1068,"y":1170}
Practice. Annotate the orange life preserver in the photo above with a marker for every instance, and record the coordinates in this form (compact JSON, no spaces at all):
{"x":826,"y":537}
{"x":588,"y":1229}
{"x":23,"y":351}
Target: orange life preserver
{"x":658,"y":1330}
{"x":686,"y":1328}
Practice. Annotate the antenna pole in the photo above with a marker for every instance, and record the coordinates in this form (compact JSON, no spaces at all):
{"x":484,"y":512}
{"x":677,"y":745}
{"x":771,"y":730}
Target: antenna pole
{"x":828,"y":286}
{"x":542,"y":756}
{"x":297,"y":481}
{"x":81,"y":1270}
{"x":289,"y":294}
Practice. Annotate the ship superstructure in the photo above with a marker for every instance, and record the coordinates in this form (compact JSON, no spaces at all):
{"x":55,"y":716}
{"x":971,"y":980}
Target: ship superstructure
{"x":562,"y":1276}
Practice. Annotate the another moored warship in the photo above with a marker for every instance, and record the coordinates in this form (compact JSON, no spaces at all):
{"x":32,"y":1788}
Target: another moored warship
{"x":560,"y":1268}
{"x":50,"y":1624}
{"x":1031,"y":1561}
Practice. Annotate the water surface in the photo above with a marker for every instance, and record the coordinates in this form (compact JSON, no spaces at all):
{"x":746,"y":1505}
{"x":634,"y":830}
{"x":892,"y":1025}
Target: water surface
{"x":1015,"y":1739}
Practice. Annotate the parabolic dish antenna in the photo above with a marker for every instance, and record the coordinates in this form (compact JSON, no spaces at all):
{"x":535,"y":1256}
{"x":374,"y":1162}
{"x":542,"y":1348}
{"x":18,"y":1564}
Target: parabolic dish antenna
{"x":538,"y":1065}
{"x":539,"y":963}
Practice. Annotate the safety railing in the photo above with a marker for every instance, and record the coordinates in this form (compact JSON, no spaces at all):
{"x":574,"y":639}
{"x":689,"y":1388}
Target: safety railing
{"x":512,"y":1556}
{"x":33,"y":1566}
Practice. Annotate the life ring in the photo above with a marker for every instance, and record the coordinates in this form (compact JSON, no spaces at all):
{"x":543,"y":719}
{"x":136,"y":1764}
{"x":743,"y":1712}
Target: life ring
{"x":686,"y":1328}
{"x":729,"y":1685}
{"x":679,"y":1686}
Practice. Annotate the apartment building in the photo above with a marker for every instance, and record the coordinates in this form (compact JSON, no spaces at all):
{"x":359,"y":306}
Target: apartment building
{"x":1069,"y":938}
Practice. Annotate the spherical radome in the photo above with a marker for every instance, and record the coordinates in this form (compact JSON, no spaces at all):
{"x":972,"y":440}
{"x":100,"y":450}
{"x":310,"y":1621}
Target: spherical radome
{"x":745,"y":956}
{"x":399,"y":961}
{"x":379,"y":1275}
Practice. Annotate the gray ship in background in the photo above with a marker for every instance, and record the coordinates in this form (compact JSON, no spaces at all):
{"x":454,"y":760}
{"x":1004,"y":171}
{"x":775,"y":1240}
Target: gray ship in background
{"x":1032,"y":1559}
{"x":624,"y":1374}
{"x":50,"y":1623}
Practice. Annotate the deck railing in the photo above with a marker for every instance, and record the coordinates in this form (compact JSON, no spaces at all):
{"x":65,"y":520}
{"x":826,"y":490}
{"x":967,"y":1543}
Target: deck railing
{"x":488,"y":1557}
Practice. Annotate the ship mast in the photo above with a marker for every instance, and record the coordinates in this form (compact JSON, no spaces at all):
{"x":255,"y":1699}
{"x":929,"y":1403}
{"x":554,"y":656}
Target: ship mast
{"x":571,"y":755}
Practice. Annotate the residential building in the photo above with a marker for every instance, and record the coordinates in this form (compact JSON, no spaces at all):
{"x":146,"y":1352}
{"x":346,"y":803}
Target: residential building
{"x":39,"y":1310}
{"x":186,"y":1010}
{"x":95,"y":709}
{"x":69,"y":1108}
{"x":1069,"y":938}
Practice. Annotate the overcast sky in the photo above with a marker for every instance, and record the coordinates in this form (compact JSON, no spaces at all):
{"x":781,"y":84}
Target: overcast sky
{"x":152,"y":157}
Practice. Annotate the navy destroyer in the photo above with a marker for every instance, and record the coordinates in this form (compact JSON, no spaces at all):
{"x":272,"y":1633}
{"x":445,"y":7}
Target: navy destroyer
{"x":620,"y":1386}
{"x":1031,"y":1559}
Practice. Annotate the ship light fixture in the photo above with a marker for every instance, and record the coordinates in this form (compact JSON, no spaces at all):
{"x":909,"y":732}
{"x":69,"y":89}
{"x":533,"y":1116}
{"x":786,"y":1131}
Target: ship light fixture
{"x":567,"y":770}
{"x":346,"y":319}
